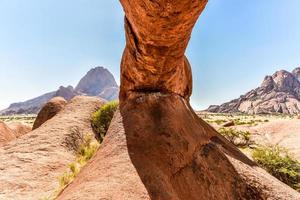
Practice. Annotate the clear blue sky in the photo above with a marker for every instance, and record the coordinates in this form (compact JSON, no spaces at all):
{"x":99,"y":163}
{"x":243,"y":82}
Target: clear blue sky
{"x":48,"y":43}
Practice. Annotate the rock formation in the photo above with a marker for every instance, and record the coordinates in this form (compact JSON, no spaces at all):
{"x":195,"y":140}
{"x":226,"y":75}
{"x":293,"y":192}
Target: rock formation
{"x":66,"y":92}
{"x":111,"y":93}
{"x":12,"y":131}
{"x":157,"y":147}
{"x":6,"y":134}
{"x":279,"y":93}
{"x":51,"y":108}
{"x":30,"y":166}
{"x":97,"y":82}
{"x":19,"y":129}
{"x":157,"y":34}
{"x":296,"y":73}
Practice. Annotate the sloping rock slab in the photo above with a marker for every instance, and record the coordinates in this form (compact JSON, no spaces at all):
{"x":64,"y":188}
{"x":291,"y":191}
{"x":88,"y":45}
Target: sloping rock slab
{"x":30,"y":165}
{"x":6,"y":134}
{"x":158,"y":149}
{"x":19,"y":129}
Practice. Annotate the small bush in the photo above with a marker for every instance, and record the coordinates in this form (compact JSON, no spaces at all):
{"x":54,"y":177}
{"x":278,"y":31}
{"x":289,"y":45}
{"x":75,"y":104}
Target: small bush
{"x":218,"y":121}
{"x":84,"y":153}
{"x":101,"y":118}
{"x":280,"y":163}
{"x":238,"y":138}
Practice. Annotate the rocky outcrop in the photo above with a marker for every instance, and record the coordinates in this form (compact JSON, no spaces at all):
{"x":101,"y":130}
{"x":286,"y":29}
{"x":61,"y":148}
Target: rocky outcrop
{"x":157,"y":148}
{"x":111,"y":93}
{"x":66,"y":92}
{"x":19,"y":129}
{"x":12,"y":131}
{"x":30,"y":166}
{"x":97,"y":82}
{"x":296,"y":73}
{"x":157,"y":34}
{"x":6,"y":134}
{"x":279,"y":93}
{"x":50,"y":109}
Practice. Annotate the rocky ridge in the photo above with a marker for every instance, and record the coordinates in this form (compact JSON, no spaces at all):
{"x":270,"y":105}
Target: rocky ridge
{"x":279,"y":93}
{"x":30,"y":166}
{"x":12,"y":131}
{"x":97,"y":82}
{"x":6,"y":134}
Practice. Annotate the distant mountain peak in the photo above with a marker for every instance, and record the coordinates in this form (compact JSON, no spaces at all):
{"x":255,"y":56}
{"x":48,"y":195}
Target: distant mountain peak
{"x":279,"y":93}
{"x":97,"y":82}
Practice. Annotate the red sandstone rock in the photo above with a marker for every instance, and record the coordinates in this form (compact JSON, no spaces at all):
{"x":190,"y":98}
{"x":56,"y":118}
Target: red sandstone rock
{"x":157,"y":148}
{"x":19,"y":129}
{"x":51,"y":108}
{"x":31,"y":165}
{"x":12,"y":131}
{"x":6,"y":134}
{"x":157,"y":34}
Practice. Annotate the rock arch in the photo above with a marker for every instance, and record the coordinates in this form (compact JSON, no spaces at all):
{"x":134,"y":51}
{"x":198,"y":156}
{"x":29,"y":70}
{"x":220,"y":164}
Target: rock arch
{"x":156,"y":147}
{"x":157,"y":34}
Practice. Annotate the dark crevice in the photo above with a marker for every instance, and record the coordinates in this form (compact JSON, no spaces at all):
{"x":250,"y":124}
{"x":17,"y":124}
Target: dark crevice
{"x":155,"y":90}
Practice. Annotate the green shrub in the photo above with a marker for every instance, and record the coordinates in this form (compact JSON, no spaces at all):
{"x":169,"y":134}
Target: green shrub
{"x":101,"y":118}
{"x":218,"y":121}
{"x":84,"y":153}
{"x":238,"y":138}
{"x":280,"y":163}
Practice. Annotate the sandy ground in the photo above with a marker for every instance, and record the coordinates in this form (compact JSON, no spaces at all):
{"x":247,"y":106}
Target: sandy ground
{"x":266,"y":130}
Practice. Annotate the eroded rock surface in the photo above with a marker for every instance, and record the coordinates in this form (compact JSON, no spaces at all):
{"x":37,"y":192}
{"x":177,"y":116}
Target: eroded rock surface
{"x":31,"y":165}
{"x":12,"y":131}
{"x":19,"y":129}
{"x":157,"y":34}
{"x":50,"y":109}
{"x":296,"y":73}
{"x":157,"y":148}
{"x":6,"y":134}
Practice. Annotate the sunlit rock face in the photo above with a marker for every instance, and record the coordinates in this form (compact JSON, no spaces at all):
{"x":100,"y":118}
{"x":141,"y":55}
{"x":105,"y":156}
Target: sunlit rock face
{"x":296,"y":73}
{"x":156,"y":146}
{"x":157,"y":34}
{"x":279,"y":93}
